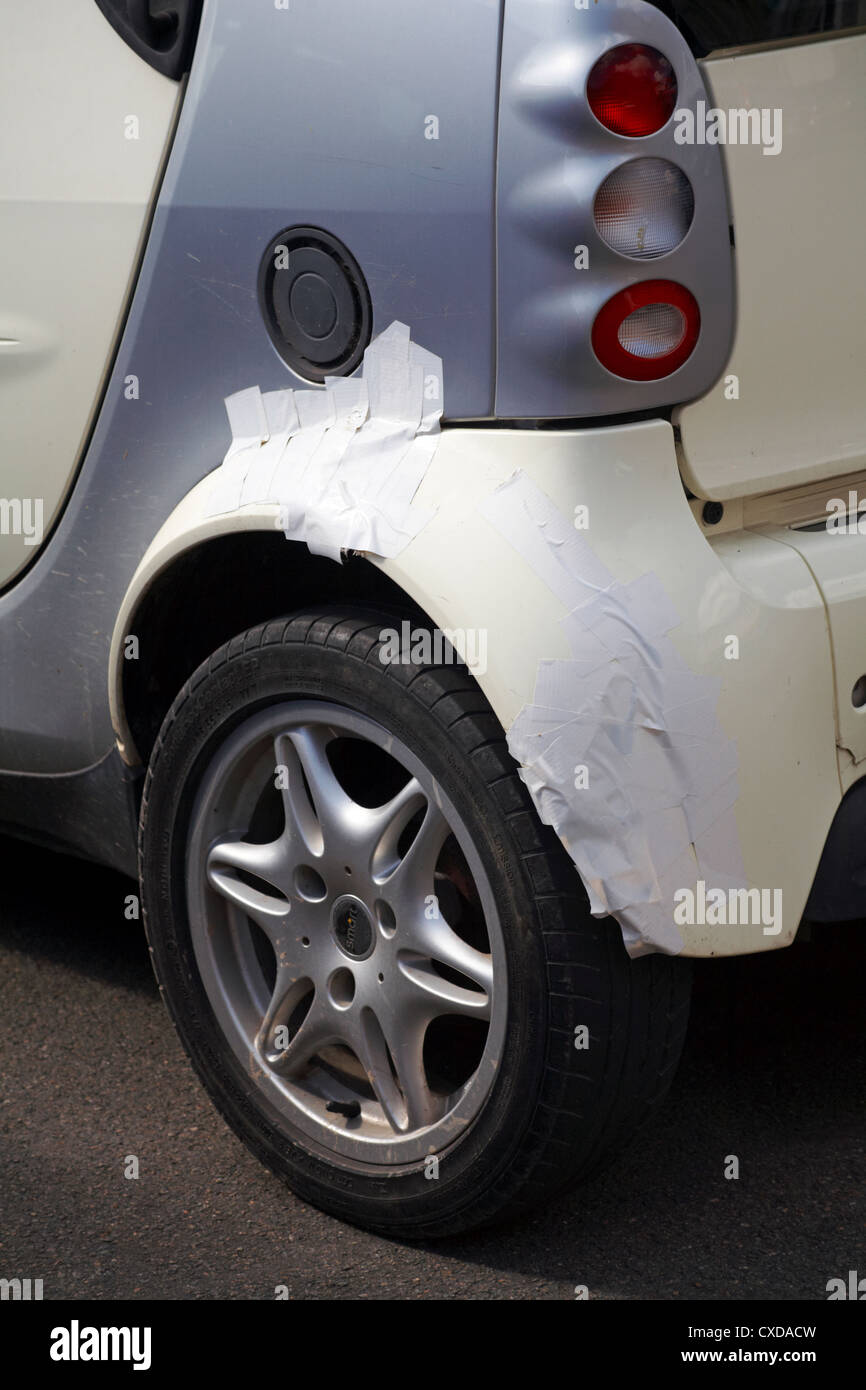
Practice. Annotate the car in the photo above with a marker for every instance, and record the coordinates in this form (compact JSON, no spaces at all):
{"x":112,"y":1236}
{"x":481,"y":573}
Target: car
{"x":431,"y":551}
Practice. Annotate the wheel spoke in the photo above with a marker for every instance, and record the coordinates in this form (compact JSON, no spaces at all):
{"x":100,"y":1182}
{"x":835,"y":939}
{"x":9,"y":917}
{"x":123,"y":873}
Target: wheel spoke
{"x":368,"y":1044}
{"x":404,"y":1025}
{"x":386,"y":1036}
{"x":319,"y":1028}
{"x":267,"y":862}
{"x":444,"y":996}
{"x":412,"y":879}
{"x":303,"y":829}
{"x":334,"y":821}
{"x":432,"y":939}
{"x":388,"y":823}
{"x":269,"y":910}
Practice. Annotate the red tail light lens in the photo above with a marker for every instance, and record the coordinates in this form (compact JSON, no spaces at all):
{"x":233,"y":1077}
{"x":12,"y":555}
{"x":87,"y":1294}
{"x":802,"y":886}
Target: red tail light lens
{"x":647,"y":331}
{"x":632,"y":90}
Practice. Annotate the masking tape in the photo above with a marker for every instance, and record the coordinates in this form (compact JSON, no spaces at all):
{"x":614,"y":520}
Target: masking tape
{"x":343,"y":462}
{"x":657,"y":808}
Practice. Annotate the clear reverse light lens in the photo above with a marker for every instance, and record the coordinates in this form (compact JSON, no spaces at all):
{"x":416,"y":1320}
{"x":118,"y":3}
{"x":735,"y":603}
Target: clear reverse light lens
{"x":647,"y":331}
{"x":644,"y":208}
{"x":652,"y":331}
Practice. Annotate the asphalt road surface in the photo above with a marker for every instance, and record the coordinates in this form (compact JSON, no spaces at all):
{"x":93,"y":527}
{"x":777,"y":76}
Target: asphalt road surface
{"x":91,"y":1071}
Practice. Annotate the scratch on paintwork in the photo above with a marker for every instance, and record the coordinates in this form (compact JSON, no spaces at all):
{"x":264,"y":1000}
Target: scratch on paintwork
{"x":447,"y":313}
{"x":205,"y":285}
{"x":378,"y":164}
{"x":226,"y":284}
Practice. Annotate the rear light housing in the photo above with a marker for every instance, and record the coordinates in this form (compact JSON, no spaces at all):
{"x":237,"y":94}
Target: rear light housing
{"x":597,"y":200}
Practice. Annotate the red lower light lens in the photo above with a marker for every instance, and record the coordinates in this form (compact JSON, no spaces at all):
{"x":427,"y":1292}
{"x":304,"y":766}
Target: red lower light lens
{"x":632,"y":90}
{"x":647,"y":331}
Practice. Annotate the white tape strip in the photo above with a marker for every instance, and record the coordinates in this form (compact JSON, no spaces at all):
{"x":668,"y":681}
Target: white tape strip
{"x":653,"y":811}
{"x":344,"y":462}
{"x":249,"y":427}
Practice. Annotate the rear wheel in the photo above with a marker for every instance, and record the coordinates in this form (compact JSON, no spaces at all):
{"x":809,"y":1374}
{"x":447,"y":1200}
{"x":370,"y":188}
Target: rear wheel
{"x":379,"y":961}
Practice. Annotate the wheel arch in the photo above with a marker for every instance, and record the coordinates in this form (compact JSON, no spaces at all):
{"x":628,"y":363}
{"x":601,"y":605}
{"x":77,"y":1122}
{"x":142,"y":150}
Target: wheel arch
{"x":450,"y":576}
{"x":208,"y":591}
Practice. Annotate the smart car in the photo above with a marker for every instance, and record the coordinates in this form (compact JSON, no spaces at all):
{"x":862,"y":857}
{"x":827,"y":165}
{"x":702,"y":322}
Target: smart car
{"x":432,"y":565}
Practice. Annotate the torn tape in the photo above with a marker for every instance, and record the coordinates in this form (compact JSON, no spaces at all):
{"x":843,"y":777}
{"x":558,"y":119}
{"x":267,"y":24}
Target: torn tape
{"x":654,"y":809}
{"x":343,"y":462}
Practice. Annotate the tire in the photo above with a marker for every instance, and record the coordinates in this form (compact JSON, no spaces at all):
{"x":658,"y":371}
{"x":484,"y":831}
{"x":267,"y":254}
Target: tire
{"x":427,"y":1079}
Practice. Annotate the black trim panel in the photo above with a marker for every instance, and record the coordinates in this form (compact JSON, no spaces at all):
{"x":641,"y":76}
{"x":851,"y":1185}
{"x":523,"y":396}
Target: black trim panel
{"x":92,"y":814}
{"x":839,"y":890}
{"x":162,"y":32}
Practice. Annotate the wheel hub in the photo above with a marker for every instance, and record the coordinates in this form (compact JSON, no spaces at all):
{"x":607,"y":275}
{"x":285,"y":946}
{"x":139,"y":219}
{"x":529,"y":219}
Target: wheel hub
{"x":352,"y":927}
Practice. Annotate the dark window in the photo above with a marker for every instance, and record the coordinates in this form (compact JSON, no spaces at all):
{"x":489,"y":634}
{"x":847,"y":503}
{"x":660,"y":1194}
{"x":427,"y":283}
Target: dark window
{"x":709,"y":24}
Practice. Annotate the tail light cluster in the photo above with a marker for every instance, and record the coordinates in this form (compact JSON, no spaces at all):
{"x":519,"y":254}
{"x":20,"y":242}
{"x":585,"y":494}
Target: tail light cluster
{"x":643,"y":210}
{"x":615,"y":272}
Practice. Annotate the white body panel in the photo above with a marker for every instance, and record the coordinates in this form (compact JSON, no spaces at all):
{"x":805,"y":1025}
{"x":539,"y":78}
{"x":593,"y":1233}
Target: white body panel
{"x":800,"y":342}
{"x":75,"y":194}
{"x":776,"y":701}
{"x":838,"y":562}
